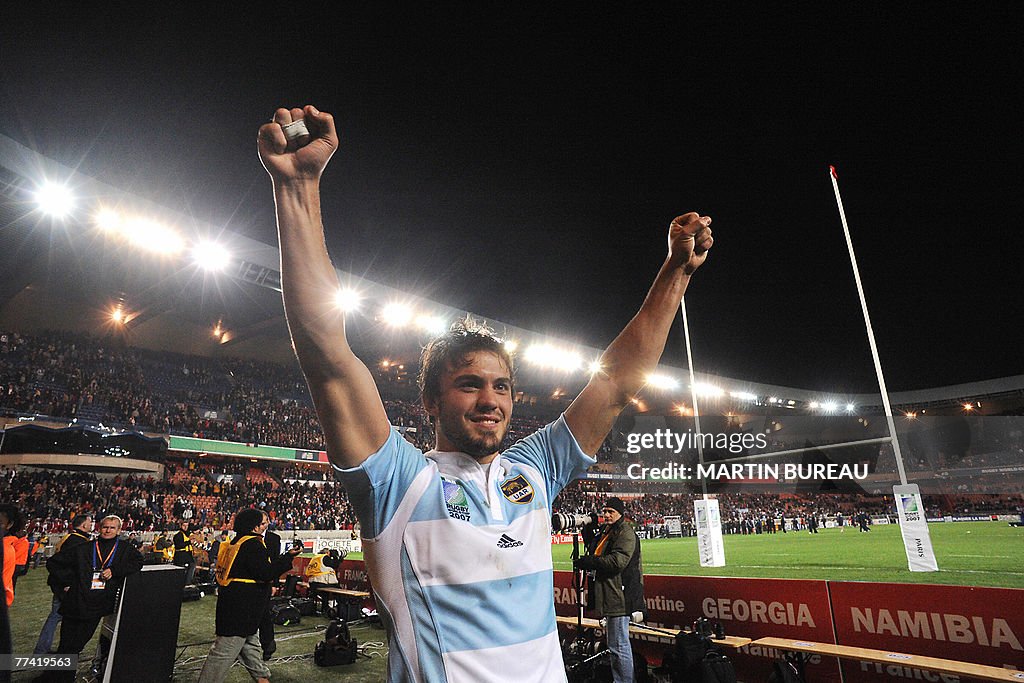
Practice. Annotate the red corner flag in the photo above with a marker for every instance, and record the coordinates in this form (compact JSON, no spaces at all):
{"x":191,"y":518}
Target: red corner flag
{"x":832,"y":170}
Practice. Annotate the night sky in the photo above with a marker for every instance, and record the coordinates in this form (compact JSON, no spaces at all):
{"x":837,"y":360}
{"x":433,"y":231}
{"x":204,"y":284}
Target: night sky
{"x":524,"y":163}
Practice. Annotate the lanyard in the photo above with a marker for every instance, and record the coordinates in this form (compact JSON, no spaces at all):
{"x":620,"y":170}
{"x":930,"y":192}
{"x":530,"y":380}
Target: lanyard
{"x":106,"y":561}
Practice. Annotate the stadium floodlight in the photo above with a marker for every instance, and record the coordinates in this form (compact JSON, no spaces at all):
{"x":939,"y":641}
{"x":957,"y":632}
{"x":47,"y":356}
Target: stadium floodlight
{"x":211,"y":256}
{"x":968,"y":407}
{"x":707,"y":390}
{"x":662,"y":382}
{"x":109,"y":220}
{"x":813,"y":405}
{"x":511,"y":345}
{"x":548,"y":356}
{"x":152,"y":236}
{"x":850,"y":407}
{"x":829,"y":406}
{"x":54,"y":199}
{"x":117,"y":315}
{"x":773,"y":399}
{"x":348,"y":300}
{"x":743,"y":395}
{"x":595,"y":366}
{"x":396,"y":314}
{"x":432,"y":324}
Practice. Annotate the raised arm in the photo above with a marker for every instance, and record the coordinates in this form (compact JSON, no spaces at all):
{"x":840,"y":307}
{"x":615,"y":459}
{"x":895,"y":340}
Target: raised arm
{"x":347,"y":402}
{"x":634,"y":354}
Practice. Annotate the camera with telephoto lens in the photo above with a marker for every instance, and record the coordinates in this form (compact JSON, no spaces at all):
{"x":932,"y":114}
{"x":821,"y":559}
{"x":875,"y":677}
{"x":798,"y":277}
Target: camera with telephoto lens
{"x":561,"y":521}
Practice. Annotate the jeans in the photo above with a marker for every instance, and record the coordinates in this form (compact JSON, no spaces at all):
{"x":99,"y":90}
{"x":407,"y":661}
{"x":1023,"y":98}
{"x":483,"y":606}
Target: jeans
{"x":622,"y":652}
{"x":190,"y":573}
{"x":45,"y":641}
{"x":225,"y":650}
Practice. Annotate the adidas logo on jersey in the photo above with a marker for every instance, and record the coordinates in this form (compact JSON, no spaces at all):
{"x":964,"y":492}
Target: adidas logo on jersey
{"x":507,"y":541}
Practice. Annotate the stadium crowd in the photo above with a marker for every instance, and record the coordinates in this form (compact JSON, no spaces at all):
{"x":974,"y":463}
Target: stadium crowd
{"x":67,"y":376}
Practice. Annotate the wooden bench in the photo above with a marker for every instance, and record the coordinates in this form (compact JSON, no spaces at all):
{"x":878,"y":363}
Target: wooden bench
{"x":353,"y":601}
{"x":863,"y":654}
{"x":343,"y":592}
{"x":665,"y":634}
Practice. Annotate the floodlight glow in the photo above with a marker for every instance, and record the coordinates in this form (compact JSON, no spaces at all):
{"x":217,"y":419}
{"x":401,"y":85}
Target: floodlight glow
{"x":850,"y":407}
{"x":432,"y":324}
{"x":511,"y":345}
{"x":348,"y":299}
{"x":968,"y":406}
{"x":117,"y":315}
{"x":662,"y":382}
{"x":547,"y":356}
{"x":743,"y":395}
{"x":152,"y":236}
{"x":396,"y":315}
{"x":595,"y":367}
{"x":772,"y":399}
{"x":211,"y":256}
{"x":813,"y":405}
{"x":109,"y":220}
{"x":54,"y":199}
{"x":707,"y":390}
{"x":829,"y":406}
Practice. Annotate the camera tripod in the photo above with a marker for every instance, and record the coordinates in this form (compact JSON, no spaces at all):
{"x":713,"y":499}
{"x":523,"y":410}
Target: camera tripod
{"x":580,"y":653}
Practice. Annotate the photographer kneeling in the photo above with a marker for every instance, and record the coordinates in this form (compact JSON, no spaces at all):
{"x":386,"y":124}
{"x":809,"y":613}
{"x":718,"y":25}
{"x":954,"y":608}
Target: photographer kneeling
{"x":615,"y":574}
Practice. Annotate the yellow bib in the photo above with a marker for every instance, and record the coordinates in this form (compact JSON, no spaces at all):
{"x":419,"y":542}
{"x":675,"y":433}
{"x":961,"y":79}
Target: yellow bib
{"x":226,"y":555}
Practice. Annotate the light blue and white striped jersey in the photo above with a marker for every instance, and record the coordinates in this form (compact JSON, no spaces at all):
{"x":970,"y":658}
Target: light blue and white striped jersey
{"x":459,"y":555}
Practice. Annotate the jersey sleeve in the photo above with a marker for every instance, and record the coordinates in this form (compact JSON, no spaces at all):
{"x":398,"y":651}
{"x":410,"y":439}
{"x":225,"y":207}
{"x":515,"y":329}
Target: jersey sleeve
{"x":554,"y":452}
{"x":377,"y":486}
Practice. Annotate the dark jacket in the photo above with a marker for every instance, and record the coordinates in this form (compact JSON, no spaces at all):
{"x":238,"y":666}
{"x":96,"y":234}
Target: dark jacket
{"x":75,"y":538}
{"x":616,"y":586}
{"x":240,"y":606}
{"x":73,"y":567}
{"x":183,"y":549}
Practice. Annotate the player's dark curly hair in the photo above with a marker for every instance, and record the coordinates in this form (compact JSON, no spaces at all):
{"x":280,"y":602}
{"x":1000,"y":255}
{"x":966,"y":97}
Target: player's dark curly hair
{"x":449,"y":352}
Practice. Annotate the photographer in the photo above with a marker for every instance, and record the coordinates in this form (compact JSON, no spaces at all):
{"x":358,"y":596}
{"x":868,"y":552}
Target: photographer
{"x":245,"y":570}
{"x":615,"y":573}
{"x":322,"y":570}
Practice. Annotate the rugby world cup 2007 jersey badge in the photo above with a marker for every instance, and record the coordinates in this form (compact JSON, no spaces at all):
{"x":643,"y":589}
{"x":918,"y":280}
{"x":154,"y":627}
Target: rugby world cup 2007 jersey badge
{"x":518,"y":489}
{"x":455,"y":499}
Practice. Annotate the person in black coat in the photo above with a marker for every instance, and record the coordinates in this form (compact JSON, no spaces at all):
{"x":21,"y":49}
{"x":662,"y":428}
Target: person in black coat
{"x":242,"y":599}
{"x":91,"y":575}
{"x":81,"y":532}
{"x":183,"y":552}
{"x":273,"y":543}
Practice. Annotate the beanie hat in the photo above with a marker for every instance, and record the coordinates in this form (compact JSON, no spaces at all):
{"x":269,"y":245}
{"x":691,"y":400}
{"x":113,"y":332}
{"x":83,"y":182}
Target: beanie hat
{"x":616,"y":504}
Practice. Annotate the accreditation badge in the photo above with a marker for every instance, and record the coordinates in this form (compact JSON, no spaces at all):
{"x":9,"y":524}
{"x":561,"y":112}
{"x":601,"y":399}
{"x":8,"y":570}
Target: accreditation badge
{"x":98,"y":584}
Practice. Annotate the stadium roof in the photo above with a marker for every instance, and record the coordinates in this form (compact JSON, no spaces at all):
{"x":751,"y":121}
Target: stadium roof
{"x":66,"y":273}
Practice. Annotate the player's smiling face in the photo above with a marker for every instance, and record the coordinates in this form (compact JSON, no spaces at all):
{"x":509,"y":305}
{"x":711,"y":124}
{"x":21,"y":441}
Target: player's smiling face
{"x":474,"y":406}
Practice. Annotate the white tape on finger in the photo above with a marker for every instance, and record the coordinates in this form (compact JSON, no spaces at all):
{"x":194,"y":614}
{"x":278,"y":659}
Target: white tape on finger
{"x":295,"y":129}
